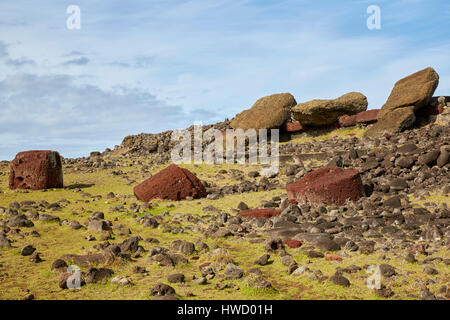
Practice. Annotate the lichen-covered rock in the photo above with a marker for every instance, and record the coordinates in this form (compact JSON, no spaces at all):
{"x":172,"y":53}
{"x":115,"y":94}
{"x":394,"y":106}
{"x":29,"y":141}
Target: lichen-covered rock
{"x":327,"y":112}
{"x":267,"y":113}
{"x":408,"y":95}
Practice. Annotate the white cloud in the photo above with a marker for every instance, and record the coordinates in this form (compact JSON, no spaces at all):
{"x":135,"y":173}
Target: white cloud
{"x":132,"y":62}
{"x":77,"y":62}
{"x":53,"y":110}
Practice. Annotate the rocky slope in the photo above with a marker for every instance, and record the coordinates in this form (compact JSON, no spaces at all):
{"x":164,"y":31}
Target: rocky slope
{"x":347,"y":205}
{"x":204,"y":248}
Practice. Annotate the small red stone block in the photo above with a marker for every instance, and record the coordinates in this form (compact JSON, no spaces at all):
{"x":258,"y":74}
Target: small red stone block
{"x":327,"y":185}
{"x":332,"y":257}
{"x":291,"y":243}
{"x":292,"y":127}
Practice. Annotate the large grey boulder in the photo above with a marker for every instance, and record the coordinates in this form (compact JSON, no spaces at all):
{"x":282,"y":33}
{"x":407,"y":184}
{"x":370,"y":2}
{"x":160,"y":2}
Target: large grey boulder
{"x":408,"y":95}
{"x":326,"y":112}
{"x":269,"y":112}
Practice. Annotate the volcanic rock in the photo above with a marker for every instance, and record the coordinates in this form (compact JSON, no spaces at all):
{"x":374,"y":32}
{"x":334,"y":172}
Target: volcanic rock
{"x":291,"y":243}
{"x":347,"y":121}
{"x":329,"y":185}
{"x":232,"y":271}
{"x":95,"y":275}
{"x":340,"y":280}
{"x":326,"y":112}
{"x":175,"y":278}
{"x":293,"y":127}
{"x":172,"y":183}
{"x":262,"y":260}
{"x":36,"y":170}
{"x":408,"y":95}
{"x":162,"y":289}
{"x":267,"y":113}
{"x":368,"y":116}
{"x":443,"y":158}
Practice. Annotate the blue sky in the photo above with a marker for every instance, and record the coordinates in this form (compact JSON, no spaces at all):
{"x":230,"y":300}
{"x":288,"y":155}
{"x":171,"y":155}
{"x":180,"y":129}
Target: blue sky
{"x":154,"y":65}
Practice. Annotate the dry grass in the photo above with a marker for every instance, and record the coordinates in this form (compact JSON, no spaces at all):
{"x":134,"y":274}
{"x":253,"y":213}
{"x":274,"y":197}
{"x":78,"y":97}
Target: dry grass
{"x":18,"y":274}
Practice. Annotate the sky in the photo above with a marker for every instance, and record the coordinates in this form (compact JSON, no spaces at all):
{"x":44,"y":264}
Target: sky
{"x":155,"y":65}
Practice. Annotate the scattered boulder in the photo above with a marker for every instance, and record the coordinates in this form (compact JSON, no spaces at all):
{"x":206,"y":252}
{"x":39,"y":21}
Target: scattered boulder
{"x":443,"y":158}
{"x":130,"y":245}
{"x":162,"y":289}
{"x":332,"y":257}
{"x":89,"y":260}
{"x":288,"y":260}
{"x":314,"y":254}
{"x":175,"y":278}
{"x":95,"y":275}
{"x":429,"y":158}
{"x":75,"y":225}
{"x":162,"y":259}
{"x":232,"y":271}
{"x":327,"y":112}
{"x":120,"y":281}
{"x":98,"y":225}
{"x":273,"y":245}
{"x":4,"y":242}
{"x":291,"y":243}
{"x":325,"y":244}
{"x":36,"y":170}
{"x":329,"y":185}
{"x":340,"y":280}
{"x":387,"y":270}
{"x":35,"y":257}
{"x":59,"y":265}
{"x":262,"y":260}
{"x":184,"y":247}
{"x":426,"y":295}
{"x":200,"y":281}
{"x":27,"y":250}
{"x":171,"y":183}
{"x":384,"y":292}
{"x":267,"y":113}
